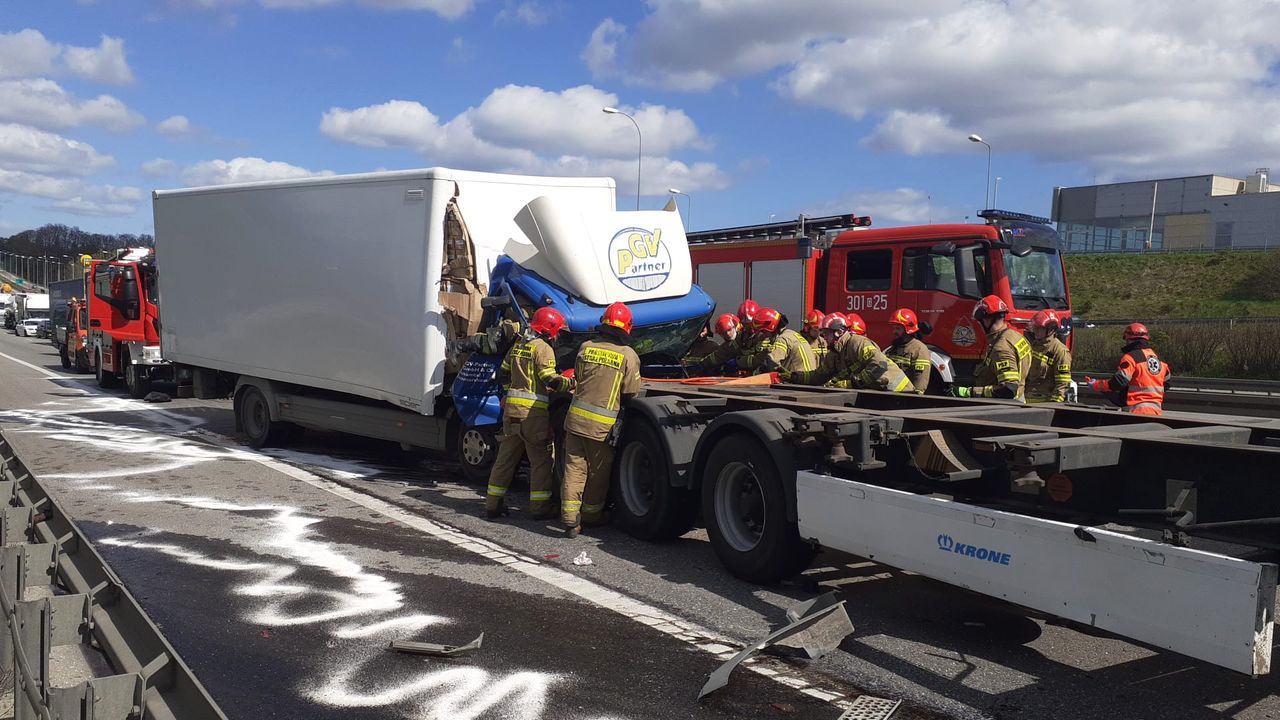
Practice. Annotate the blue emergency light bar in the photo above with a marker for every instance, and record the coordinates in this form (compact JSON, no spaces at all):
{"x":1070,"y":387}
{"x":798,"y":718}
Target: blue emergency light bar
{"x":993,"y":215}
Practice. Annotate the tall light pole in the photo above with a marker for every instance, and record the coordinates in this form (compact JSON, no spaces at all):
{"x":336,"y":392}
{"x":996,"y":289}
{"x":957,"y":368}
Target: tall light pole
{"x":688,"y":211}
{"x":639,"y":146}
{"x":986,"y":196}
{"x":995,"y":194}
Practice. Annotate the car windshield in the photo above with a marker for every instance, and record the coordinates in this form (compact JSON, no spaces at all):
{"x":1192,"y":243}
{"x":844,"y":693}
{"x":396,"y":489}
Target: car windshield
{"x":655,"y":344}
{"x":1036,"y":280}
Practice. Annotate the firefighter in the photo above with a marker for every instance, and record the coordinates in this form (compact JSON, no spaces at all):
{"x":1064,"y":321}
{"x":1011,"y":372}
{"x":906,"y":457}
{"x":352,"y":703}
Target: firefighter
{"x":530,"y":365}
{"x":1050,"y":375}
{"x":853,"y":359}
{"x":1139,"y":383}
{"x":908,"y":351}
{"x":787,"y":350}
{"x":1002,"y":372}
{"x":608,"y":374}
{"x":812,"y":331}
{"x":728,"y":357}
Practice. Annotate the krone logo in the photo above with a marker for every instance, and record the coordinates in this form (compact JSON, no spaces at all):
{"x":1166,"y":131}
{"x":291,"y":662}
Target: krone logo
{"x":945,"y":543}
{"x":639,"y":258}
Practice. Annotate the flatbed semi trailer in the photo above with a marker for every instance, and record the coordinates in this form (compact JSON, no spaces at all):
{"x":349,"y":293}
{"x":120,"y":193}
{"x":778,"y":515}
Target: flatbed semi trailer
{"x":1163,"y":531}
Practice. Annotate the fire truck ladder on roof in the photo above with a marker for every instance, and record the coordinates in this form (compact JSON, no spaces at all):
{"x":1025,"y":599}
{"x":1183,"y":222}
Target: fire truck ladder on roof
{"x":799,"y":227}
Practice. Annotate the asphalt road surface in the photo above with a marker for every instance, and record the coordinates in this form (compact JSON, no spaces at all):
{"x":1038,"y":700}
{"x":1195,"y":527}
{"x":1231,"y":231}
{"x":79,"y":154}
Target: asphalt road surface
{"x":281,"y":576}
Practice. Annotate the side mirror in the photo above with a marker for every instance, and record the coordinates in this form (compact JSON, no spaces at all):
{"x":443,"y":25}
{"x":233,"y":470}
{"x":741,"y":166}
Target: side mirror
{"x":1021,"y":249}
{"x":947,"y":248}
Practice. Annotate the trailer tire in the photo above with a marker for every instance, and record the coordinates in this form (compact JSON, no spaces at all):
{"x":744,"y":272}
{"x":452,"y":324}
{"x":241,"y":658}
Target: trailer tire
{"x":106,"y":378}
{"x":745,"y":508}
{"x":254,"y":418}
{"x":62,"y":355}
{"x":476,"y":450}
{"x":646,"y":504}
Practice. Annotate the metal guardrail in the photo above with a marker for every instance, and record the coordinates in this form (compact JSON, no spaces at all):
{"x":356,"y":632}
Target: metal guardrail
{"x":40,"y":545}
{"x":1231,"y":386}
{"x":1080,"y":322}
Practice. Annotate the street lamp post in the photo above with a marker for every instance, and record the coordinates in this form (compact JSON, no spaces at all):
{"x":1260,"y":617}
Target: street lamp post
{"x":986,"y":190}
{"x":688,"y":210}
{"x":995,"y":194}
{"x":639,"y":146}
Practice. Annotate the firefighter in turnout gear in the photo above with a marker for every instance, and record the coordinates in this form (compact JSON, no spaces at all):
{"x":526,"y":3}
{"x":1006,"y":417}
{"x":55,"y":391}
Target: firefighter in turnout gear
{"x":608,"y":374}
{"x":1050,"y":374}
{"x":1139,"y":383}
{"x":908,"y":352}
{"x":738,"y":341}
{"x":530,"y":365}
{"x":1002,"y":373}
{"x":782,"y":348}
{"x":853,"y":360}
{"x":812,"y":332}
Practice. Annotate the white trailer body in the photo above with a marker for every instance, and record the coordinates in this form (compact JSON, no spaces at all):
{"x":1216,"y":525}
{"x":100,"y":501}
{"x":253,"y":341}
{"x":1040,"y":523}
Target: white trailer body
{"x":333,"y":282}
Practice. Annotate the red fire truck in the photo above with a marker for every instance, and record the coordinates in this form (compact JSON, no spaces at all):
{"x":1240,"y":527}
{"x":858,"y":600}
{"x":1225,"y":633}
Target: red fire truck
{"x":124,"y":333}
{"x":940,"y":271}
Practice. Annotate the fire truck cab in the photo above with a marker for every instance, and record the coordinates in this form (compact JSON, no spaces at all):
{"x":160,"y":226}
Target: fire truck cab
{"x":124,"y":336}
{"x":838,"y":263}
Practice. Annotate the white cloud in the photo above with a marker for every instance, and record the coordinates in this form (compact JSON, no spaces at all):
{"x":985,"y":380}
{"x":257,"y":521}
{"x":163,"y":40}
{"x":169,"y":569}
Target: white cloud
{"x":160,"y":167}
{"x":28,"y":53}
{"x":244,"y":169}
{"x":174,"y":126}
{"x":105,"y":63}
{"x":527,"y":12}
{"x":899,"y":206}
{"x":72,"y":195}
{"x":27,"y":149}
{"x":1128,"y":88}
{"x":531,"y":130}
{"x":44,"y":103}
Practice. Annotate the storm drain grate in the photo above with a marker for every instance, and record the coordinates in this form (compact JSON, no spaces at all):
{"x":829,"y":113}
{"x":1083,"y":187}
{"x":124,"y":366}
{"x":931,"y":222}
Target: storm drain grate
{"x":868,"y":707}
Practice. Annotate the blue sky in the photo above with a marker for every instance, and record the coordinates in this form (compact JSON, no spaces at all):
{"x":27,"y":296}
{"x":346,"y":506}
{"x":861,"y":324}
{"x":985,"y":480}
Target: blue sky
{"x":756,"y":109}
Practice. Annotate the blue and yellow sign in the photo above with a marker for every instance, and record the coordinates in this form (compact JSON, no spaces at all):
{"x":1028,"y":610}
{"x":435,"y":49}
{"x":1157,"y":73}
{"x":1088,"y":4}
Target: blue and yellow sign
{"x":639,"y":258}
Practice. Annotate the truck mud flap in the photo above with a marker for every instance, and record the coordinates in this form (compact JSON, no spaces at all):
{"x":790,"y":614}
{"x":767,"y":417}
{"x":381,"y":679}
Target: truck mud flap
{"x":1212,"y":607}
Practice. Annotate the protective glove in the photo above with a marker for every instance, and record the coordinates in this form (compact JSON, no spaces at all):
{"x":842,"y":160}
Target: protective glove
{"x":963,"y":392}
{"x":1095,"y":384}
{"x":730,"y":366}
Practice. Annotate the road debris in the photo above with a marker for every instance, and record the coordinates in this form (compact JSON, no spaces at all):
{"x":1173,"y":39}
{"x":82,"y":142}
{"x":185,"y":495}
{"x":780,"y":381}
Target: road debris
{"x":804,"y":617}
{"x":414,"y":647}
{"x":156,"y":397}
{"x":582,"y":559}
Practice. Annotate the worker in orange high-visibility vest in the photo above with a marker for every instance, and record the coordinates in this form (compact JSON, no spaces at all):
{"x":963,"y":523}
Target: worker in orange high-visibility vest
{"x":1139,"y":383}
{"x":607,"y":371}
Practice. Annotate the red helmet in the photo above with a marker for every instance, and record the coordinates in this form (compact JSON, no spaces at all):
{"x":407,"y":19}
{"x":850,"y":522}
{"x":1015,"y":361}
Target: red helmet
{"x":1136,"y":331}
{"x":547,"y":321}
{"x":835,"y":322}
{"x":726,"y":321}
{"x":989,"y":306}
{"x":855,"y":323}
{"x":1046,"y":320}
{"x":617,"y":315}
{"x":907,"y":319}
{"x":748,"y":310}
{"x":767,"y":320}
{"x":813,"y":318}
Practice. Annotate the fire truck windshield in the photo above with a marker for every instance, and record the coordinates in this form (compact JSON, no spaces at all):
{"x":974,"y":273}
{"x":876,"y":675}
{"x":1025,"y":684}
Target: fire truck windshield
{"x":1036,"y":280}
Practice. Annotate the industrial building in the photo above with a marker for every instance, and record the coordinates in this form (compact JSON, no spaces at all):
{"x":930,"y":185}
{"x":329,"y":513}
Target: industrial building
{"x":1200,"y":212}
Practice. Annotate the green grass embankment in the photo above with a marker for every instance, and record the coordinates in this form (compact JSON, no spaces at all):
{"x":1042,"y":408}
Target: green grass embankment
{"x":1150,"y":286}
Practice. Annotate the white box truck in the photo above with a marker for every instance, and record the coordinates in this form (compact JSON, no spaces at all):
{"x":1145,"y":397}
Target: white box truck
{"x":330,"y":302}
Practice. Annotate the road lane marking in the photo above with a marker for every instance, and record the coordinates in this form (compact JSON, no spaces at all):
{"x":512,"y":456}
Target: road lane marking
{"x":43,"y":371}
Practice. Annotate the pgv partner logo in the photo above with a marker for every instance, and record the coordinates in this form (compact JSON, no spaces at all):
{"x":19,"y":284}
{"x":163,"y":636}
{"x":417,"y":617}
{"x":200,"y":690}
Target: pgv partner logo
{"x":639,"y":258}
{"x":947,"y":544}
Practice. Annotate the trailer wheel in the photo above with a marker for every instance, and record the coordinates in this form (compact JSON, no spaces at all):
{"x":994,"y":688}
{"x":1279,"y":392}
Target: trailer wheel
{"x":744,"y":505}
{"x":106,"y":378}
{"x":255,"y":418}
{"x":645,"y":502}
{"x":477,"y":447}
{"x":62,"y":355}
{"x":136,"y":379}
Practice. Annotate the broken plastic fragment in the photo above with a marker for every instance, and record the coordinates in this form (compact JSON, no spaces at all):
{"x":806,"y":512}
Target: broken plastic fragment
{"x":582,"y":559}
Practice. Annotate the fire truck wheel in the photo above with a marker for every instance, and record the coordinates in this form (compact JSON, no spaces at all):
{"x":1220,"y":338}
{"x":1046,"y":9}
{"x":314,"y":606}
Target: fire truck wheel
{"x":106,"y":378}
{"x":645,"y":503}
{"x":62,"y":355}
{"x":136,"y":381}
{"x":745,"y":508}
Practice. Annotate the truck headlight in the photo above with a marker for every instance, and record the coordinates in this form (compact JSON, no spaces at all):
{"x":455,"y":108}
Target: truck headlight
{"x":151,"y":353}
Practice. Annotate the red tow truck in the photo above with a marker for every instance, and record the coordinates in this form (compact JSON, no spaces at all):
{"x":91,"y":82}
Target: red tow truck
{"x":124,"y":332}
{"x":840,"y":263}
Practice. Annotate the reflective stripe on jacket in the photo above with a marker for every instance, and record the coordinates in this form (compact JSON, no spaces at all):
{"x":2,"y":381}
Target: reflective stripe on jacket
{"x":530,"y":363}
{"x":1002,"y":373}
{"x":1141,"y":380}
{"x":605,"y":370}
{"x":1050,"y":373}
{"x":914,"y":359}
